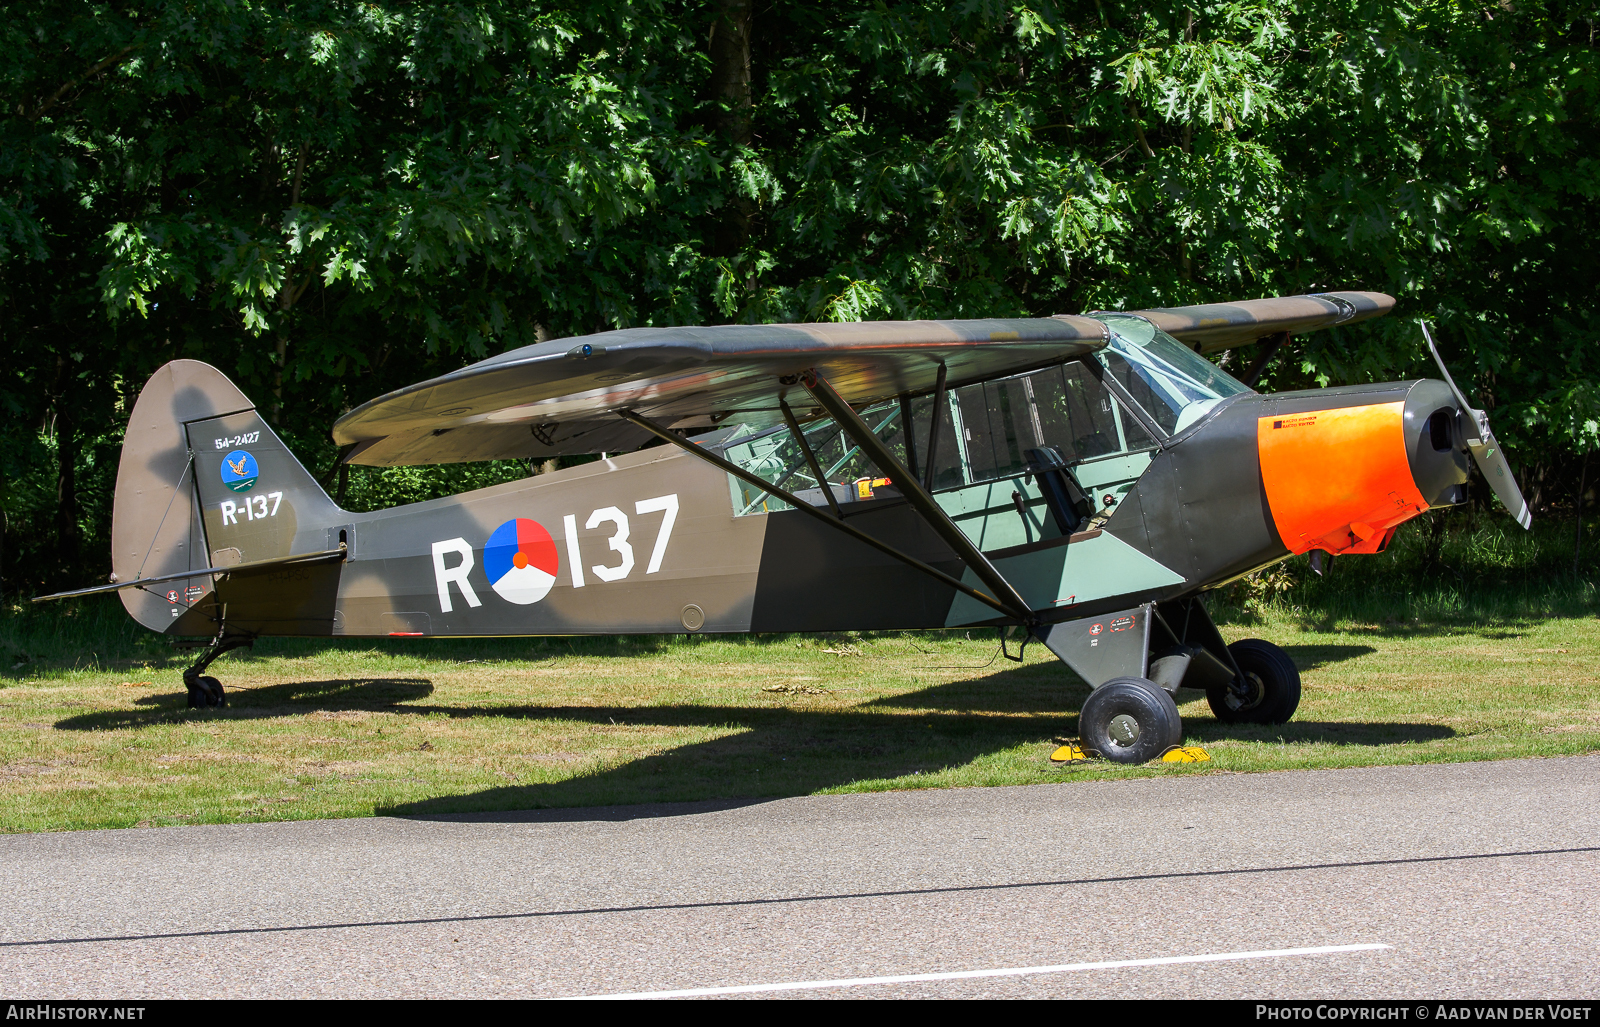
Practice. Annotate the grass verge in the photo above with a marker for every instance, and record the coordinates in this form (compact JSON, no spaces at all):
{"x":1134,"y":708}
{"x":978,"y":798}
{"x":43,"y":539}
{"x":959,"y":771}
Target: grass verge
{"x":100,"y":737}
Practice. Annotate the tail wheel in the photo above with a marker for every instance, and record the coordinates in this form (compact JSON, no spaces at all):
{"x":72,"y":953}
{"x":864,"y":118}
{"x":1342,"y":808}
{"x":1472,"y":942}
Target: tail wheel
{"x":1267,"y":690}
{"x":214,"y":689}
{"x":206,"y":691}
{"x":1129,"y":720}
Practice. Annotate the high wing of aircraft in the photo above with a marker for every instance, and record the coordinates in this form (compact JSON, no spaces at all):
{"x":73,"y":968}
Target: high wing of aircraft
{"x":1077,"y":480}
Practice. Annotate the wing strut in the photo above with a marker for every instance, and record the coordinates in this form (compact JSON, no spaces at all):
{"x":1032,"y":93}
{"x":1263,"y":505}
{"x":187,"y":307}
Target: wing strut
{"x":937,"y":412}
{"x":907,"y":434}
{"x":916,"y":495}
{"x":799,"y":504}
{"x":811,"y":458}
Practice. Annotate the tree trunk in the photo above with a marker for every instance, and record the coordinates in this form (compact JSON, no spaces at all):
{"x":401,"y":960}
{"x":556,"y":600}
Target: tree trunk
{"x":730,"y":86}
{"x":277,"y":371}
{"x":1433,"y":550}
{"x":1185,"y":262}
{"x":730,"y":69}
{"x":66,"y":526}
{"x":1577,"y":538}
{"x":288,"y":296}
{"x":5,"y":522}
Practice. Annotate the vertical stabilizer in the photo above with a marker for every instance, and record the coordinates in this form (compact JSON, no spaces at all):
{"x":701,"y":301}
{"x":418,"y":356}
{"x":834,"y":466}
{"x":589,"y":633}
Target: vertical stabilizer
{"x":203,"y":482}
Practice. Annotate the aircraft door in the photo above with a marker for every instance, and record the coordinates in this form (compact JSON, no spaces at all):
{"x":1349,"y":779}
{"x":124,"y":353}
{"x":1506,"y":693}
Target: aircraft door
{"x":1062,"y":495}
{"x":992,"y":475}
{"x":1066,"y":407}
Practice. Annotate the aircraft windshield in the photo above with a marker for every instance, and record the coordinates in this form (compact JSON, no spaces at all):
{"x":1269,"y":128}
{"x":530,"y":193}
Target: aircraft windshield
{"x":1175,"y":385}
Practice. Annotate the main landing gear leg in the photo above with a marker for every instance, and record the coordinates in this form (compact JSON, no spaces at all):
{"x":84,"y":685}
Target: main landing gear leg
{"x":204,"y":690}
{"x":1135,"y":659}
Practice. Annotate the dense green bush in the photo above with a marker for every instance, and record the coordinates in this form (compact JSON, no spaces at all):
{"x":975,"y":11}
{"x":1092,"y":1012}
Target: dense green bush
{"x":1457,"y":566}
{"x":329,"y":199}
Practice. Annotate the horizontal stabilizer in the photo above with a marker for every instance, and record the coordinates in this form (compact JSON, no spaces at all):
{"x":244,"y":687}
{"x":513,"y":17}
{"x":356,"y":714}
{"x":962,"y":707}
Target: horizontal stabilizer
{"x":326,"y":556}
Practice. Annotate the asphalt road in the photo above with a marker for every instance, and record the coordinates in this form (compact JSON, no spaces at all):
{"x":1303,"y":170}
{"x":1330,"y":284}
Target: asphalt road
{"x":1482,"y":879}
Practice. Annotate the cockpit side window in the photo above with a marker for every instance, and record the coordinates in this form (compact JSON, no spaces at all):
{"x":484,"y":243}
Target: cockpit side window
{"x":1066,"y":407}
{"x":1092,"y":420}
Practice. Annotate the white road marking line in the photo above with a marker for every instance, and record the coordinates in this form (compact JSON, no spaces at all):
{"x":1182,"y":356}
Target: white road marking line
{"x":961,"y":975}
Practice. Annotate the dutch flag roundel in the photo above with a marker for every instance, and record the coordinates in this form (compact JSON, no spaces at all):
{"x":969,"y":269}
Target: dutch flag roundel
{"x":520,"y":560}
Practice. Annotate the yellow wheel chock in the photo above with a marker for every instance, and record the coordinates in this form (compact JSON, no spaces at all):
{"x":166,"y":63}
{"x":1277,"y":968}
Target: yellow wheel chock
{"x":1186,"y":754}
{"x":1072,"y":752}
{"x":1069,"y":753}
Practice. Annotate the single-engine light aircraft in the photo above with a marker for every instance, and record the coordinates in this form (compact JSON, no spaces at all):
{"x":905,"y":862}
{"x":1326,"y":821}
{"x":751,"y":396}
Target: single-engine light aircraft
{"x":1077,"y":480}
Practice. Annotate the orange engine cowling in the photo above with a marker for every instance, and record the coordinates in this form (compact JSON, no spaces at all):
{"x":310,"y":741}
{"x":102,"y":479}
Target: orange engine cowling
{"x":1344,"y":478}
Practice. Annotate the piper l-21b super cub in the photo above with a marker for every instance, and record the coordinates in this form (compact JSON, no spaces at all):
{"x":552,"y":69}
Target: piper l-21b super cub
{"x":1079,"y":480}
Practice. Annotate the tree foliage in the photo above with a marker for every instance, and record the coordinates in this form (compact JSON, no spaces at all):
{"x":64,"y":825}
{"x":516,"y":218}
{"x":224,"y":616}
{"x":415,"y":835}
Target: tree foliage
{"x":330,"y":199}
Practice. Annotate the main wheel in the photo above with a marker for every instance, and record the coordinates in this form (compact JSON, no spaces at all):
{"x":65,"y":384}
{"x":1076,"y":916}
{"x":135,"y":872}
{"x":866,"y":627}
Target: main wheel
{"x":1268,"y":691}
{"x":1129,"y":720}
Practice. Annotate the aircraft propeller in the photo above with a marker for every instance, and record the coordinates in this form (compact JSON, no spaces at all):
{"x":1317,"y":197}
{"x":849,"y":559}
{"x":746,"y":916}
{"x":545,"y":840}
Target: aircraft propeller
{"x":1484,"y":447}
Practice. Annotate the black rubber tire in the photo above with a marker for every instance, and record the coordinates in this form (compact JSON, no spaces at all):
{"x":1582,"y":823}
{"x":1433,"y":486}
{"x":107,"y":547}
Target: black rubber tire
{"x":1270,"y":691}
{"x":205,"y":692}
{"x":214,"y":691}
{"x":1153,"y":713}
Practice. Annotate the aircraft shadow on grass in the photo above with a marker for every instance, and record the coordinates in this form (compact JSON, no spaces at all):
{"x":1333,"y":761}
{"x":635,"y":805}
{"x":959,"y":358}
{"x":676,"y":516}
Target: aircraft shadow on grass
{"x":1499,"y":628}
{"x":286,"y":700}
{"x":772,"y":751}
{"x":1313,"y":657}
{"x":795,"y":751}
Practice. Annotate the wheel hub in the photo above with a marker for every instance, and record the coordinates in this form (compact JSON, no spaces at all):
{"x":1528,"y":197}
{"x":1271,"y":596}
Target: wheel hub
{"x":1246,"y":692}
{"x":1124,"y":730}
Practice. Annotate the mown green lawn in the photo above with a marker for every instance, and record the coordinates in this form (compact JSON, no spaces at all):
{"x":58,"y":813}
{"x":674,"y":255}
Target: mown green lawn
{"x":103,"y":739}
